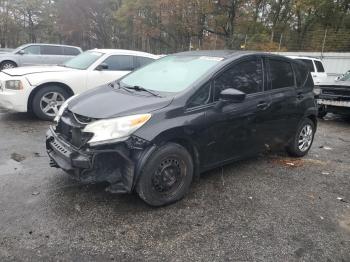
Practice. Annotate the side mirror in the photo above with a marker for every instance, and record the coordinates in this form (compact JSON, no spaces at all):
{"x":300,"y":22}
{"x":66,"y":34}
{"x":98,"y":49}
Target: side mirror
{"x":102,"y":67}
{"x":21,"y":52}
{"x":232,"y":95}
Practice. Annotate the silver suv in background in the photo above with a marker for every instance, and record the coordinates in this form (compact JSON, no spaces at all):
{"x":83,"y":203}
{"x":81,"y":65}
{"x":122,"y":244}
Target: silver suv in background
{"x":38,"y":54}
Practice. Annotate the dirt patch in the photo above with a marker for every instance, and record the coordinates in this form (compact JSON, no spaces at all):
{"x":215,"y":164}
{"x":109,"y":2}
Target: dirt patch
{"x":297,"y":162}
{"x":345,"y":222}
{"x":17,"y":157}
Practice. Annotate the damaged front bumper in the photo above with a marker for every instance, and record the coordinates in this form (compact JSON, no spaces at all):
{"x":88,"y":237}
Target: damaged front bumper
{"x":328,"y":102}
{"x":88,"y":165}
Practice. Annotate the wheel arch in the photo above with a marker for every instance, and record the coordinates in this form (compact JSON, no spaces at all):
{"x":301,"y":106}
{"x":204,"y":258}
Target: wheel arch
{"x":312,"y":115}
{"x":39,"y":87}
{"x":313,"y":118}
{"x":178,"y":135}
{"x":161,"y":140}
{"x":191,"y":148}
{"x":9,"y":60}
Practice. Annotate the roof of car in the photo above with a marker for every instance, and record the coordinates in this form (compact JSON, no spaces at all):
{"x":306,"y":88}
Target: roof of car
{"x":227,"y":54}
{"x":52,"y":45}
{"x":125,"y":52}
{"x":303,"y":57}
{"x":216,"y":53}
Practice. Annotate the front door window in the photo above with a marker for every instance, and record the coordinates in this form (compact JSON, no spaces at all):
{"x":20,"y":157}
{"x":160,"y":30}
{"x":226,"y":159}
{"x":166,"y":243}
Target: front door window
{"x":246,"y":76}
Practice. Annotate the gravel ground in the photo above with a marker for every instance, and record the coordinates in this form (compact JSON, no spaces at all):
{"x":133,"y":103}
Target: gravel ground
{"x":270,"y":208}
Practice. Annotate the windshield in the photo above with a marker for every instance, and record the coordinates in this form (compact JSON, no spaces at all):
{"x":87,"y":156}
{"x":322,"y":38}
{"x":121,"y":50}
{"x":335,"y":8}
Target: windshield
{"x":172,"y":73}
{"x":84,"y":60}
{"x":345,"y":77}
{"x":19,"y":48}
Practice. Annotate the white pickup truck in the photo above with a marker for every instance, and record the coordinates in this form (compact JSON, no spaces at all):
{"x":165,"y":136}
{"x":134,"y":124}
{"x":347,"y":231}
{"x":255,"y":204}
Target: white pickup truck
{"x":316,"y":68}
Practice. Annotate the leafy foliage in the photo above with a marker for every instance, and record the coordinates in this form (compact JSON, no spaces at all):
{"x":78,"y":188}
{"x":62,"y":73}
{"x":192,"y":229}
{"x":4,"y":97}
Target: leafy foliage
{"x":164,"y":26}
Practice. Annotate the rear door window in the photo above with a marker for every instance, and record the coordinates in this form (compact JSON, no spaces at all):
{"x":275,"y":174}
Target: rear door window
{"x":319,"y":66}
{"x":301,"y":74}
{"x":120,"y":63}
{"x":71,"y":51}
{"x":281,"y":74}
{"x":51,"y":50}
{"x":308,"y":63}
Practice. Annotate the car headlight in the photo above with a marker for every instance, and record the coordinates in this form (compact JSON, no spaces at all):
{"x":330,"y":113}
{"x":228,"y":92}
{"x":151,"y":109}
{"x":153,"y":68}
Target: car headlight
{"x":14,"y":85}
{"x":63,"y":108}
{"x":116,"y":129}
{"x":317,"y":91}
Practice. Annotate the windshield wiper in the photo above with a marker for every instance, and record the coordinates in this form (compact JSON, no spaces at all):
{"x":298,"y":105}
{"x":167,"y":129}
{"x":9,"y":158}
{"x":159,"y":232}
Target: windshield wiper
{"x":140,"y":88}
{"x":117,"y":84}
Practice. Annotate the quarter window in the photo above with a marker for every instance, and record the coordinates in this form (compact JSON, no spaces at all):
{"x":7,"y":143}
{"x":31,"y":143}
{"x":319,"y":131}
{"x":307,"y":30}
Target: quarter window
{"x":120,"y":63}
{"x":246,"y":76}
{"x":201,"y":97}
{"x":281,"y":74}
{"x":32,"y":50}
{"x":319,"y":66}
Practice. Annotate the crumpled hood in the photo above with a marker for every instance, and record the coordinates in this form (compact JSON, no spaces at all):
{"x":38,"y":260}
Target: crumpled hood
{"x":106,"y":102}
{"x":27,"y":70}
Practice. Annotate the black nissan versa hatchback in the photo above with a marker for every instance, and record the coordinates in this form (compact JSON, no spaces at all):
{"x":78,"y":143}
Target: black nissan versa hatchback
{"x":157,"y":128}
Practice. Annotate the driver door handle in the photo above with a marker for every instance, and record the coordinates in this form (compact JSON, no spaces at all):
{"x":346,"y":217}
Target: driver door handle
{"x":263,"y":106}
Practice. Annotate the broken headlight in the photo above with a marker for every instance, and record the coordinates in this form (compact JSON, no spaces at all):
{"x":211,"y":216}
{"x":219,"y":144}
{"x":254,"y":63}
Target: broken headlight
{"x":116,"y":129}
{"x":62,"y":108}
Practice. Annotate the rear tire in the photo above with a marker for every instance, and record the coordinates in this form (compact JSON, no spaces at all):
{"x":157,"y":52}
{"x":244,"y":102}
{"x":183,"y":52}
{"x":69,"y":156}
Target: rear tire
{"x":48,"y":100}
{"x":167,"y":176}
{"x":303,"y":139}
{"x":7,"y":65}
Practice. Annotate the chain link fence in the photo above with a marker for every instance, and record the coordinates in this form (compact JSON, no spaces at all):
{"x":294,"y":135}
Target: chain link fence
{"x":328,"y":40}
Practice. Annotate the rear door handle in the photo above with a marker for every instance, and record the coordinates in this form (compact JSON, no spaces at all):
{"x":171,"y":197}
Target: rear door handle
{"x":263,"y":106}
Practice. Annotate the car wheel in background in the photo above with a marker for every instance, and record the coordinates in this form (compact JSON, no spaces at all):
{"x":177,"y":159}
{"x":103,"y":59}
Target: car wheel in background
{"x":47,"y":101}
{"x":303,"y":139}
{"x":7,"y":65}
{"x":167,"y":175}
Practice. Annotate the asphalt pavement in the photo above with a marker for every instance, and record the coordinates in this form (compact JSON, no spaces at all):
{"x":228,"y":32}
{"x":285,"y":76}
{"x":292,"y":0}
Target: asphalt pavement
{"x":268,"y":208}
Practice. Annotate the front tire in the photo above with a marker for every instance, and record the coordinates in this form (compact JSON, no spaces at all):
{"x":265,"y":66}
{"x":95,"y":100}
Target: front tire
{"x":303,"y":139}
{"x":167,"y":175}
{"x":7,"y":65}
{"x":47,"y":101}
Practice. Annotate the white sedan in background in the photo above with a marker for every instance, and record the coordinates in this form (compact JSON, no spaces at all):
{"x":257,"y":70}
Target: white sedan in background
{"x":43,"y":89}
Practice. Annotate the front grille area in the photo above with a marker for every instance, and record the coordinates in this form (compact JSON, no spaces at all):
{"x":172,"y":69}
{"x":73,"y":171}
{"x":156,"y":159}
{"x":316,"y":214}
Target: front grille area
{"x":71,"y":130}
{"x":336,"y":93}
{"x":60,"y":148}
